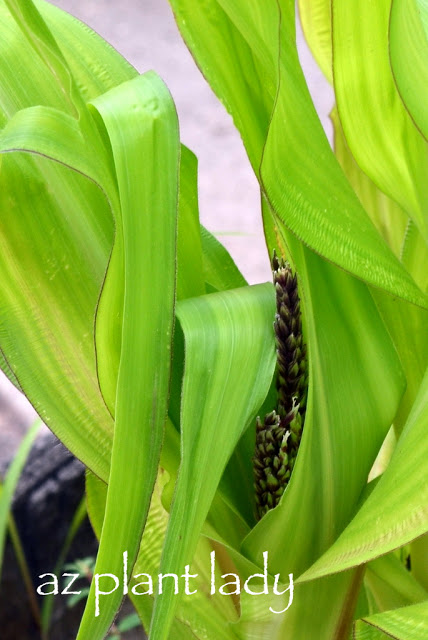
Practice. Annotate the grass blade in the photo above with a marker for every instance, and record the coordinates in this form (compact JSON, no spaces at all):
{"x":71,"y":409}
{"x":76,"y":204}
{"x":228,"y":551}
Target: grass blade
{"x":7,"y":487}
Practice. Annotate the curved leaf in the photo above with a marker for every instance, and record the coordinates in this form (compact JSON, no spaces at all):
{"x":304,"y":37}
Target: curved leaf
{"x":142,"y":126}
{"x":274,"y":114}
{"x":409,"y":56}
{"x":406,"y":323}
{"x":56,"y":232}
{"x":229,"y":350}
{"x":396,"y":512}
{"x":350,"y":352}
{"x":315,"y":16}
{"x":50,"y":294}
{"x":407,"y":623}
{"x":196,"y":616}
{"x":380,"y":133}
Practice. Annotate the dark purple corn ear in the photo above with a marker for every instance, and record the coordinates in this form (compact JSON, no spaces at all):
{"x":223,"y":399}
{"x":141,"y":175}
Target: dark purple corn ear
{"x":291,"y":351}
{"x":278,"y":435}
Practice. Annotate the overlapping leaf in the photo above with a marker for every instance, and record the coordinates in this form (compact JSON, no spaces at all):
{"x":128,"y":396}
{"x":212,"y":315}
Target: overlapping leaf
{"x":409,"y":56}
{"x":346,"y":421}
{"x":56,"y":236}
{"x":305,"y":188}
{"x":406,"y":323}
{"x":229,"y":350}
{"x":379,"y":131}
{"x":197,"y":615}
{"x":315,"y":16}
{"x":407,"y":623}
{"x":55,"y":252}
{"x":396,"y":511}
{"x":140,"y":119}
{"x":391,"y":584}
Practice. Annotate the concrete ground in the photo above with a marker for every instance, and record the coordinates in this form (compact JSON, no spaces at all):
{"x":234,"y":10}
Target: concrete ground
{"x":144,"y":31}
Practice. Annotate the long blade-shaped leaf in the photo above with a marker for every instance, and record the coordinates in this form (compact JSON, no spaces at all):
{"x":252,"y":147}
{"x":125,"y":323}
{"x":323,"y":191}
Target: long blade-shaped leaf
{"x":396,"y":512}
{"x":49,"y":296}
{"x":379,"y":131}
{"x":407,"y":623}
{"x":198,"y":616}
{"x":142,"y":126}
{"x":406,"y":323}
{"x":7,"y":488}
{"x":56,"y":232}
{"x":391,"y":585}
{"x":230,"y":352}
{"x":409,"y":56}
{"x":315,"y":16}
{"x":274,"y":113}
{"x":346,"y":421}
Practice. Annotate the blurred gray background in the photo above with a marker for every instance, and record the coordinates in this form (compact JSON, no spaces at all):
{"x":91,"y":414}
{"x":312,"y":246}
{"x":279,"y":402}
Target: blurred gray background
{"x":144,"y":32}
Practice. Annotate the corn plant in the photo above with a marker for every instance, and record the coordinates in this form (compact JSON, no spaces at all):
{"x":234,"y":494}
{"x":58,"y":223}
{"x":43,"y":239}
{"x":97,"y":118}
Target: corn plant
{"x":138,"y":341}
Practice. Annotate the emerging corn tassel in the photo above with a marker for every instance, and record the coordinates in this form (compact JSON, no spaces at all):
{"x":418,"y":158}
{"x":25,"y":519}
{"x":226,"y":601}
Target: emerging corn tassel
{"x":278,"y":435}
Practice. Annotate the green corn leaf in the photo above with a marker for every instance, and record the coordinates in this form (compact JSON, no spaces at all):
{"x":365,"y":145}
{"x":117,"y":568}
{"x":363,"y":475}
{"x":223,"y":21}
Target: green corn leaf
{"x":47,"y":320}
{"x":5,"y":367}
{"x":406,"y":323}
{"x":340,"y":439}
{"x":53,"y":134}
{"x":409,"y":56}
{"x":55,"y":307}
{"x":407,"y":623}
{"x":274,"y":113}
{"x":226,"y":334}
{"x":391,"y":584}
{"x":196,"y":616}
{"x":396,"y":511}
{"x":141,"y":123}
{"x":363,"y":631}
{"x":190,"y":279}
{"x":387,"y":216}
{"x":220,"y":271}
{"x":380,"y":133}
{"x":315,"y":16}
